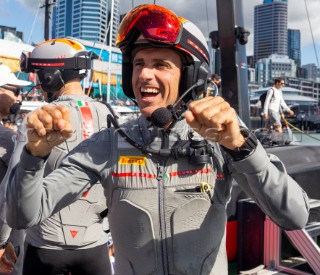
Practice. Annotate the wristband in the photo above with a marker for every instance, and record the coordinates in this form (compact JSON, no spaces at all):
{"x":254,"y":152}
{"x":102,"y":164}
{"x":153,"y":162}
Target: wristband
{"x":246,"y":149}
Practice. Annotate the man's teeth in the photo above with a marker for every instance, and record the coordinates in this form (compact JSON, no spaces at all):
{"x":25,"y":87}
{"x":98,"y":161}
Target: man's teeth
{"x":149,"y":90}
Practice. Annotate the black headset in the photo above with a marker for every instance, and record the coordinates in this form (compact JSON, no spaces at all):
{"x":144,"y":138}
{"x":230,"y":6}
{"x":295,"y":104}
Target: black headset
{"x":52,"y":80}
{"x":192,"y":74}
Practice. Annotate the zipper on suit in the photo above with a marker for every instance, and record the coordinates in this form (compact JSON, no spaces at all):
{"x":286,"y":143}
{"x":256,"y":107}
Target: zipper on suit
{"x":162,"y":218}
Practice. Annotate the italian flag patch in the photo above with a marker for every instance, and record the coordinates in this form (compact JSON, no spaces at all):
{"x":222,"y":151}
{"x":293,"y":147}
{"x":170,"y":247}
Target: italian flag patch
{"x":83,"y":103}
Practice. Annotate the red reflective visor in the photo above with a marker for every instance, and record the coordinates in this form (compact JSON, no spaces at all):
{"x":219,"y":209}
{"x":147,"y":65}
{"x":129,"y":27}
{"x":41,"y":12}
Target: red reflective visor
{"x":23,"y":61}
{"x":154,"y":23}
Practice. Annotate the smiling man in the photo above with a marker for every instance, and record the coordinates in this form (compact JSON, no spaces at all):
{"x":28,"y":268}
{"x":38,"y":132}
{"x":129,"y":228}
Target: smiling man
{"x":167,"y":184}
{"x":156,"y":76}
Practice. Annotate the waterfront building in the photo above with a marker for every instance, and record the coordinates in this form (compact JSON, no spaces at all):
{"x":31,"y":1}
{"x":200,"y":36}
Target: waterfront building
{"x":270,"y":29}
{"x":10,"y":33}
{"x":251,"y":75}
{"x":311,"y":71}
{"x":275,"y":66}
{"x":85,"y":19}
{"x":307,"y":87}
{"x":294,"y":46}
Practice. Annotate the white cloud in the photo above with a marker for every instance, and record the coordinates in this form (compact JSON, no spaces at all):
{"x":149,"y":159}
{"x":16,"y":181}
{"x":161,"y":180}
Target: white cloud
{"x":298,"y":19}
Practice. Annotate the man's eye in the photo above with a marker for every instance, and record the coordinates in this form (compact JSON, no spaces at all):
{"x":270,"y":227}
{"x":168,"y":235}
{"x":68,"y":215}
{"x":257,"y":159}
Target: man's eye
{"x":160,"y":65}
{"x":137,"y":64}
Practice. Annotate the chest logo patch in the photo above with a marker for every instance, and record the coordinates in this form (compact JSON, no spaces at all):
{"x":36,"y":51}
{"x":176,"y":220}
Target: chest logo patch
{"x":73,"y":233}
{"x":134,"y":160}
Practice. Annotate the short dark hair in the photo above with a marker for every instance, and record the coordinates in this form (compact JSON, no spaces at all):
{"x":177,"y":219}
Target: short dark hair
{"x":215,"y":76}
{"x":6,"y":120}
{"x":278,"y":80}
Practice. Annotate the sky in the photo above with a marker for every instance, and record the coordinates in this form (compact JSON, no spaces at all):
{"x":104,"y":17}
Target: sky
{"x":27,"y":17}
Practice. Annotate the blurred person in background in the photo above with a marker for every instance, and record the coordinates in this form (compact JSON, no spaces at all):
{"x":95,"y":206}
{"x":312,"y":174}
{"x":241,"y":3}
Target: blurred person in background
{"x":9,"y":105}
{"x":74,"y":239}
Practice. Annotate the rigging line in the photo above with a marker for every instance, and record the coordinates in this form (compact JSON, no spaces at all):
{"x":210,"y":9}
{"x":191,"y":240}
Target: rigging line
{"x":297,"y":129}
{"x":207,"y":17}
{"x":31,"y":31}
{"x":314,"y":45}
{"x":34,"y":22}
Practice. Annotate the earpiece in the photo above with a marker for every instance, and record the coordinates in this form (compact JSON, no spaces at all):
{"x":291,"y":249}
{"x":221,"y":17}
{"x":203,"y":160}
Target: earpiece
{"x":50,"y":77}
{"x":190,"y":75}
{"x":51,"y":80}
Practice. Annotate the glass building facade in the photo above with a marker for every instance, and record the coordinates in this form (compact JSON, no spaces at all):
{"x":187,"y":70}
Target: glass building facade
{"x":270,"y":29}
{"x":85,"y":19}
{"x":294,"y":46}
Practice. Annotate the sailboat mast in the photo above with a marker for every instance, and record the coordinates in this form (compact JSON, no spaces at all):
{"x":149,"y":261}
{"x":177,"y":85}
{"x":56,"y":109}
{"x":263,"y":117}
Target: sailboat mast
{"x":232,"y":38}
{"x":47,"y":4}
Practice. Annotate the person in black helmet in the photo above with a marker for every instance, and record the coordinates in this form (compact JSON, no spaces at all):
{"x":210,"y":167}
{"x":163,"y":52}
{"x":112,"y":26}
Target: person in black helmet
{"x":73,"y":240}
{"x":168,"y":174}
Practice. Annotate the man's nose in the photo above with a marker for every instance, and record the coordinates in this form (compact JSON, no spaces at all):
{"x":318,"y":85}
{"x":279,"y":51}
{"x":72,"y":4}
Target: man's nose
{"x":146,"y":73}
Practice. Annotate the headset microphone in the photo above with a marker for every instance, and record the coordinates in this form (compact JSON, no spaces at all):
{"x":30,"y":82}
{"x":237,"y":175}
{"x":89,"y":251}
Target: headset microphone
{"x":199,"y":152}
{"x":161,"y":117}
{"x":165,"y":116}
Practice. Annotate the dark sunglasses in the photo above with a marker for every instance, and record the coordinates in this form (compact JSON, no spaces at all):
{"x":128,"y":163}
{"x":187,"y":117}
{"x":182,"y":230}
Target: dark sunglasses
{"x":15,"y":90}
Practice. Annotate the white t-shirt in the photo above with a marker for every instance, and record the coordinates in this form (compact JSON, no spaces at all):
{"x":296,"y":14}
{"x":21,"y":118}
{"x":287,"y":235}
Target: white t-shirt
{"x":274,"y":100}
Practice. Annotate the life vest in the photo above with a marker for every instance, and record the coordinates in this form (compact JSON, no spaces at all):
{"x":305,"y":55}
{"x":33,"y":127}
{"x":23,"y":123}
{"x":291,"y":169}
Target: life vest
{"x":159,"y":214}
{"x":79,"y":224}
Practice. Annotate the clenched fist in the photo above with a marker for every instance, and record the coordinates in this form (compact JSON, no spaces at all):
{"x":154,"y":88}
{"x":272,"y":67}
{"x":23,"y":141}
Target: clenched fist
{"x":47,"y":127}
{"x":214,"y":119}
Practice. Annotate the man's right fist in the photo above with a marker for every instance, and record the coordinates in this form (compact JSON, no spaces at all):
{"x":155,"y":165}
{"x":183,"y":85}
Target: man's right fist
{"x":47,"y":127}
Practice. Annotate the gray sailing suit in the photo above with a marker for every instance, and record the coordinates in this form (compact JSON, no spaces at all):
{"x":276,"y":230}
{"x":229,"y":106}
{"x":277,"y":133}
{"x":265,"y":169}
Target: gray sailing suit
{"x":160,"y":221}
{"x":78,"y":226}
